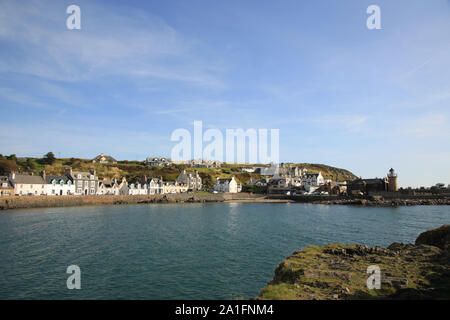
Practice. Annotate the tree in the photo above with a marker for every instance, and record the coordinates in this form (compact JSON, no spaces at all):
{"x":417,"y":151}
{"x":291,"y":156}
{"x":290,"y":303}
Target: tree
{"x":7,"y":166}
{"x":30,"y":164}
{"x":49,"y":158}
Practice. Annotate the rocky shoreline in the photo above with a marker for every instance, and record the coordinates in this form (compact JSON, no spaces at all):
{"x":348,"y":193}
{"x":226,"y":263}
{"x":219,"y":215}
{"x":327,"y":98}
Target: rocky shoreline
{"x":339,"y":272}
{"x":388,"y":202}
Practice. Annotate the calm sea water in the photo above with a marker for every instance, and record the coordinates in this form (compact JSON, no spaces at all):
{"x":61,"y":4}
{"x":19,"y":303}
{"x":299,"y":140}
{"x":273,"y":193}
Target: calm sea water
{"x":195,"y":251}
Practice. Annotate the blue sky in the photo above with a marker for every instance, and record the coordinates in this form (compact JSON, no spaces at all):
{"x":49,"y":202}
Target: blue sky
{"x":343,"y":95}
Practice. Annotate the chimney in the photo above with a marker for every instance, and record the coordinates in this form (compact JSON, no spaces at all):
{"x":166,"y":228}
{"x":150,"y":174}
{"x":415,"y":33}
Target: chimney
{"x":69,"y":172}
{"x":44,"y":175}
{"x":13,"y":175}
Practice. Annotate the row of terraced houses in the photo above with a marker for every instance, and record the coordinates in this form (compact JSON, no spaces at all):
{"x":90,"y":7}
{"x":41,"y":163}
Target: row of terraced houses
{"x":88,"y":183}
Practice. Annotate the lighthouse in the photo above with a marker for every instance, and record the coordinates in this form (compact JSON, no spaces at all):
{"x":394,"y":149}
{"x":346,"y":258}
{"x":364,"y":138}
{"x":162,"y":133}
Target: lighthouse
{"x":392,"y":180}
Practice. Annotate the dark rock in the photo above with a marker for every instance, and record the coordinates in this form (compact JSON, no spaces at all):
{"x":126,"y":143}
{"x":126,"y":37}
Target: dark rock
{"x":438,"y":237}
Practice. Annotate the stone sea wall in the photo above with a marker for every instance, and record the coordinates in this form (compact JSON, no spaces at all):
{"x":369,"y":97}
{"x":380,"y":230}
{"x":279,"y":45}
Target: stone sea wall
{"x":17,"y":202}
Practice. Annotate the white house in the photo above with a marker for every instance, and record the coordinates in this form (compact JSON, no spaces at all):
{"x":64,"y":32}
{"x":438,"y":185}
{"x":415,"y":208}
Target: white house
{"x":193,"y":181}
{"x":271,"y":171}
{"x":313,"y":179}
{"x":58,"y":185}
{"x":155,"y":186}
{"x":137,"y":189}
{"x":111,"y":187}
{"x":164,"y":162}
{"x":174,"y":187}
{"x":227,"y":185}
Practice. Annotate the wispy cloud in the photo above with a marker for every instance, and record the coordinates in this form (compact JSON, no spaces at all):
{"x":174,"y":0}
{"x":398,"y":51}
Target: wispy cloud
{"x":137,"y":45}
{"x":431,"y":125}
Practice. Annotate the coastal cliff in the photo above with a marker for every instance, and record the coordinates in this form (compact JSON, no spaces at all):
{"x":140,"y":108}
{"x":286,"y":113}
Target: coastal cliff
{"x":339,"y":272}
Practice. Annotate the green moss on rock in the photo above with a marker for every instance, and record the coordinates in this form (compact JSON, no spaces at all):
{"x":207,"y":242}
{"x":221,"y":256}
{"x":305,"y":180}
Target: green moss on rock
{"x":335,"y":271}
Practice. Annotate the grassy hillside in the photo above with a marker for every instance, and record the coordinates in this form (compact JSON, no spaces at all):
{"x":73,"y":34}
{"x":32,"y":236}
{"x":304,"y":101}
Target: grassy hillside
{"x":134,"y":170}
{"x":335,"y":174}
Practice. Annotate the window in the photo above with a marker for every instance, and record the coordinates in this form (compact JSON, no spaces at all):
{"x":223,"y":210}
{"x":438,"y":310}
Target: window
{"x":92,"y":183}
{"x":61,"y":183}
{"x":80,"y":183}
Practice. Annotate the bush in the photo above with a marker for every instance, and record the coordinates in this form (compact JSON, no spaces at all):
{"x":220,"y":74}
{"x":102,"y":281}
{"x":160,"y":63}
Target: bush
{"x":49,"y":158}
{"x":7,"y":166}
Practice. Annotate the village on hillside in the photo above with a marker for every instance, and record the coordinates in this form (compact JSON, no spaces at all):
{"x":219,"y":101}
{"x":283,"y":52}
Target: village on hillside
{"x":279,"y":179}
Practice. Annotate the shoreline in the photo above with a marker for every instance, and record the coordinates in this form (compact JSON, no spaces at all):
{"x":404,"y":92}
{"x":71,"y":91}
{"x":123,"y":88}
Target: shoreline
{"x":312,"y":273}
{"x":25,"y":202}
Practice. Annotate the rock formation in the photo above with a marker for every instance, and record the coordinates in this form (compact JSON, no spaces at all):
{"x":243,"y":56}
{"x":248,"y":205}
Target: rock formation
{"x":336,"y":271}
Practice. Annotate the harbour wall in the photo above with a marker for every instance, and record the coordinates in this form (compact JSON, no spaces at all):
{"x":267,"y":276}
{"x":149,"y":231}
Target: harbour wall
{"x":21,"y":202}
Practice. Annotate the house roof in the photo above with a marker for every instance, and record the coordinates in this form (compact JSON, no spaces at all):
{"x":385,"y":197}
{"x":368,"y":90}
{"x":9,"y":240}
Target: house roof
{"x":107,"y":183}
{"x":28,"y":179}
{"x":311,"y":175}
{"x":223,"y":180}
{"x":49,"y":179}
{"x":102,"y":157}
{"x":84,"y":175}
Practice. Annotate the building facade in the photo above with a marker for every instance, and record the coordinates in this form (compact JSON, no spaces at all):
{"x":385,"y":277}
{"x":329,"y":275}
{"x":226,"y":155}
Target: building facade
{"x":108,"y":187}
{"x":163,"y":162}
{"x":86,"y":183}
{"x":392,"y":180}
{"x":58,"y":185}
{"x":27,"y":185}
{"x":174,"y":187}
{"x":227,"y":185}
{"x":6,"y":188}
{"x":313,"y":179}
{"x":192,"y":180}
{"x":137,"y":189}
{"x":155,"y":186}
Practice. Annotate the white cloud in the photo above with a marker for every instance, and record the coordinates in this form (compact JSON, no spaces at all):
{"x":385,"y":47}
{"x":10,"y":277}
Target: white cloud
{"x":138,"y":45}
